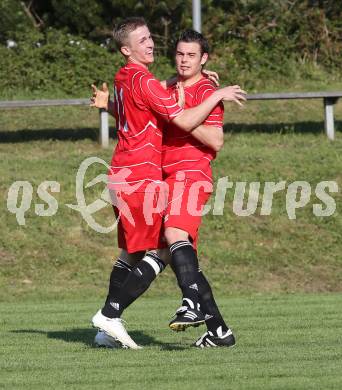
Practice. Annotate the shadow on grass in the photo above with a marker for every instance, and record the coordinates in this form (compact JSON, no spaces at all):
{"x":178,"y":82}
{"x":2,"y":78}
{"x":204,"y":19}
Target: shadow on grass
{"x":93,"y":133}
{"x":280,"y":128}
{"x":49,"y":134}
{"x":86,"y":336}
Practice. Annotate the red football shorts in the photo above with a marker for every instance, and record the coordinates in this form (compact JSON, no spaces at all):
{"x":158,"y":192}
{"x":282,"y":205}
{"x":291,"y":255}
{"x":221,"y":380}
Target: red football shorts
{"x":185,"y":205}
{"x":140,"y":219}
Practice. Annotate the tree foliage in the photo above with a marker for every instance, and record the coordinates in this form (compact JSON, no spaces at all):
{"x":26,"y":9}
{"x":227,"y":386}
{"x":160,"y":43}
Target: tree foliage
{"x":251,"y":40}
{"x":12,"y":19}
{"x":309,"y":29}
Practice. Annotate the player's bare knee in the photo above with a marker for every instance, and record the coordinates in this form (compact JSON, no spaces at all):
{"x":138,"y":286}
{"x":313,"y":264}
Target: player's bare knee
{"x":173,"y":235}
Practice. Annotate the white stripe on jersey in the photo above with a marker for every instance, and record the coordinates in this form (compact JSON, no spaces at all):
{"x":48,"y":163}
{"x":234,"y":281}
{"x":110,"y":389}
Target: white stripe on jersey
{"x":197,"y":170}
{"x":206,"y":83}
{"x":135,"y":181}
{"x":181,"y":161}
{"x":185,"y":147}
{"x":160,"y":98}
{"x":135,"y":165}
{"x":178,"y":162}
{"x":144,"y":146}
{"x":172,"y":115}
{"x":205,"y":91}
{"x":134,"y":76}
{"x":177,"y":113}
{"x":149,"y":123}
{"x":163,"y":105}
{"x":218,"y":122}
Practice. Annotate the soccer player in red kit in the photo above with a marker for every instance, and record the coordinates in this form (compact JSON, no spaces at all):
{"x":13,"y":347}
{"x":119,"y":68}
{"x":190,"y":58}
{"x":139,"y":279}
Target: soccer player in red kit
{"x":141,"y":107}
{"x":186,"y":158}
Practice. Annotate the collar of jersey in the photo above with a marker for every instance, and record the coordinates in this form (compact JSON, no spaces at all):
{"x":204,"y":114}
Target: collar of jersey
{"x":201,"y":79}
{"x":136,"y":66}
{"x":189,"y":86}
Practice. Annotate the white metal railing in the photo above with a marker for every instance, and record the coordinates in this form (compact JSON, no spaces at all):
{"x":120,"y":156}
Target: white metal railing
{"x":329,"y":99}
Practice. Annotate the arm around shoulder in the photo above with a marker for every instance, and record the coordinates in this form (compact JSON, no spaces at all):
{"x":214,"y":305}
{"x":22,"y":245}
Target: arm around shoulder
{"x":210,"y":136}
{"x":190,"y":118}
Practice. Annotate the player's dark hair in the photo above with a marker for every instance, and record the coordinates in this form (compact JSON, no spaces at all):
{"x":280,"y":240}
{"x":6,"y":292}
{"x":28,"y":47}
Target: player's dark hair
{"x":194,"y":36}
{"x":122,"y":30}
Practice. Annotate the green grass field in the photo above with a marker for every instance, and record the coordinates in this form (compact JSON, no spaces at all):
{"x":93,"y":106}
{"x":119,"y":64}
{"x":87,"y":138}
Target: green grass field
{"x":283,"y":342}
{"x":239,"y":254}
{"x":277,"y":280}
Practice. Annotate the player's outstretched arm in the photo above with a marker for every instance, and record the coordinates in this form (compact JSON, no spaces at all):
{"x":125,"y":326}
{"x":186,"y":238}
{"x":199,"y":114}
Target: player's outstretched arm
{"x":210,"y":136}
{"x":191,"y":118}
{"x":100,"y":98}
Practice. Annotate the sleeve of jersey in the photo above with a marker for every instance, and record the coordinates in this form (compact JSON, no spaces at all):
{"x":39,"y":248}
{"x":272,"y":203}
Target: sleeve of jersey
{"x":215,"y":118}
{"x":156,"y":97}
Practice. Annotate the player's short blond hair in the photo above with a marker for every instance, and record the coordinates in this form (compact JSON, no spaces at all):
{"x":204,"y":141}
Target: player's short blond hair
{"x":122,"y":30}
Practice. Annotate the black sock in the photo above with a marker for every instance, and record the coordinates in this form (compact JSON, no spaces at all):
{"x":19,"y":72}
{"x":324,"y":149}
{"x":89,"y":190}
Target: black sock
{"x":137,"y":282}
{"x":119,"y":274}
{"x":215,"y":323}
{"x":185,"y":266}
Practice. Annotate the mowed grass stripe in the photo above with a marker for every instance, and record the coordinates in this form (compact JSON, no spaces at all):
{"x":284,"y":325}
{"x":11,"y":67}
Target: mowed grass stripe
{"x":284,"y":342}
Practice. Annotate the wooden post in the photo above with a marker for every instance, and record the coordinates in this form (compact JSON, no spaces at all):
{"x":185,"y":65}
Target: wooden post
{"x":329,"y":117}
{"x":104,"y":128}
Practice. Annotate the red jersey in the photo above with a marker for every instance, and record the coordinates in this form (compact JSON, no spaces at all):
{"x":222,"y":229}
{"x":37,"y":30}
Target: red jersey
{"x":181,"y":151}
{"x":142,"y":106}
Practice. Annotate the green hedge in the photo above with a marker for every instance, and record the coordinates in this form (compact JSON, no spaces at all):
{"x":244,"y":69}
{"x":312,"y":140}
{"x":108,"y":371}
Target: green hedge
{"x":57,"y":64}
{"x":54,"y":63}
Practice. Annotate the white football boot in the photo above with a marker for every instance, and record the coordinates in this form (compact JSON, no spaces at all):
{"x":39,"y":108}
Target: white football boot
{"x":114,"y":327}
{"x":104,"y":340}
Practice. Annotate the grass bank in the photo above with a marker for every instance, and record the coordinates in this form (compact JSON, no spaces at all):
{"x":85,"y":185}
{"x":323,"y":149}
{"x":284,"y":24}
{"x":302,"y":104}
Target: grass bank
{"x":62,"y":256}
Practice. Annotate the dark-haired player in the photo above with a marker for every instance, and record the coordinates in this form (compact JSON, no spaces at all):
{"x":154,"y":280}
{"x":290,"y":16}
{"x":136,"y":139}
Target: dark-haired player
{"x":186,"y":156}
